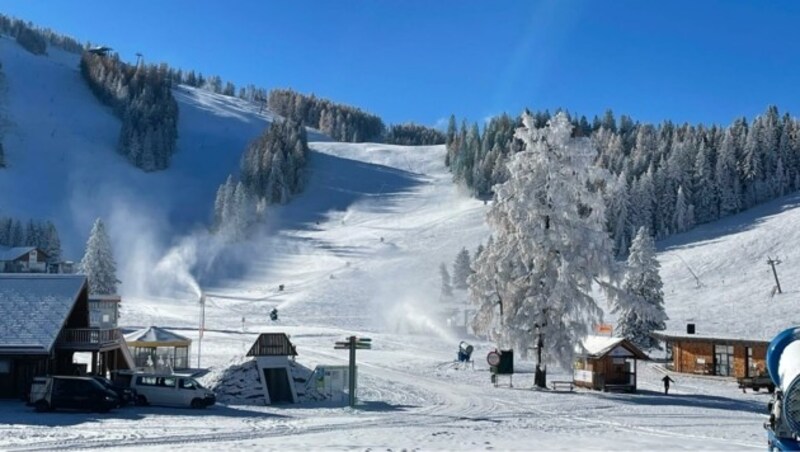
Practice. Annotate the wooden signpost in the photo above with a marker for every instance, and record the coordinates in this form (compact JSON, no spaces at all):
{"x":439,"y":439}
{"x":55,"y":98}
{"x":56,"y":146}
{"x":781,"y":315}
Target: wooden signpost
{"x":353,"y":343}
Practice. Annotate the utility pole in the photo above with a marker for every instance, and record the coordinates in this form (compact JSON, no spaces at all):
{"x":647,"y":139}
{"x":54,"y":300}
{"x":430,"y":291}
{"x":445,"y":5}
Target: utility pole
{"x":352,"y":372}
{"x":772,"y":263}
{"x":201,"y":328}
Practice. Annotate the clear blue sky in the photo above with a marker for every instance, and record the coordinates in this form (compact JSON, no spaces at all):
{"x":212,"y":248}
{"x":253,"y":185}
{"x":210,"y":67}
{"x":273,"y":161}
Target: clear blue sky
{"x":708,"y":61}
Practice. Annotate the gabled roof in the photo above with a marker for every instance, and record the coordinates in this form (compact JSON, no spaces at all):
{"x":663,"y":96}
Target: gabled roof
{"x":600,"y":346}
{"x":154,"y":336}
{"x":11,"y":253}
{"x":34,"y":309}
{"x":272,"y":344}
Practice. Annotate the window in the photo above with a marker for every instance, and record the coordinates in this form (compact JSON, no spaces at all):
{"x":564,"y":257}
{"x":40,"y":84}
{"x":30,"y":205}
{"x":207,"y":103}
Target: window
{"x":146,"y":381}
{"x":186,"y":383}
{"x":5,"y":366}
{"x":723,"y":359}
{"x":167,"y":381}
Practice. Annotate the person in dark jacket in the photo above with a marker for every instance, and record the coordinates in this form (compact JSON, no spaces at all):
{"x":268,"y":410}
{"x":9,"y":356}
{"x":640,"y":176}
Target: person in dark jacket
{"x":666,"y":381}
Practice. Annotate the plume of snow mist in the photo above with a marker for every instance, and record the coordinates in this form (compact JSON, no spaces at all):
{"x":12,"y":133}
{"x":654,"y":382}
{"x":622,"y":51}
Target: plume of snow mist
{"x":410,"y":317}
{"x":173,"y":271}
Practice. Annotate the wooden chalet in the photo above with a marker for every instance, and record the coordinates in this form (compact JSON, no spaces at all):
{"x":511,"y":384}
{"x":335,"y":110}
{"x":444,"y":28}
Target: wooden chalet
{"x":607,"y":364}
{"x":22,"y":259}
{"x":720,"y":355}
{"x":44,"y":320}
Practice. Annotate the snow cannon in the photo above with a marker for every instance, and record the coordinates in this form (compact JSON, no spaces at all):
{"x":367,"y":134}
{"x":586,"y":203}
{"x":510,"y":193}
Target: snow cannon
{"x":783,"y":365}
{"x":464,"y":352}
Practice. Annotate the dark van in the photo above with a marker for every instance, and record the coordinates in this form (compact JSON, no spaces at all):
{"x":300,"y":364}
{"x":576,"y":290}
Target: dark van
{"x":75,"y":393}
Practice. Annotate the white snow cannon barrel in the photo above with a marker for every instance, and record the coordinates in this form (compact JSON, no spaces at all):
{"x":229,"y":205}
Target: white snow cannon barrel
{"x":783,"y":365}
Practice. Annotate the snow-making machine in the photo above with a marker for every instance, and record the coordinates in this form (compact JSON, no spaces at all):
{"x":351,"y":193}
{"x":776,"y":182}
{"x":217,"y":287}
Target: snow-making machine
{"x":783,"y":365}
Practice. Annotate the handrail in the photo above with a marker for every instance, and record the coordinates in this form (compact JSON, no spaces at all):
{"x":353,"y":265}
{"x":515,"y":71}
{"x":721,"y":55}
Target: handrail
{"x":89,"y":336}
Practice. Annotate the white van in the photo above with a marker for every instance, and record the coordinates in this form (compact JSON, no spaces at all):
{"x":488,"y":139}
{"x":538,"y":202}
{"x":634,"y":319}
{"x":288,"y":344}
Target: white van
{"x":171,"y":390}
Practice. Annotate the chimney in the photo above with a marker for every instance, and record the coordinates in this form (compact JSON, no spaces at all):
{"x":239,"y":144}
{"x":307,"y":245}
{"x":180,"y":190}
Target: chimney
{"x":690,"y":328}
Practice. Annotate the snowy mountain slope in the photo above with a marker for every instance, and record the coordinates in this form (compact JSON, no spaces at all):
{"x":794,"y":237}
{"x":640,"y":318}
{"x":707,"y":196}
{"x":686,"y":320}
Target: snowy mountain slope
{"x":60,"y":147}
{"x":729,"y":258}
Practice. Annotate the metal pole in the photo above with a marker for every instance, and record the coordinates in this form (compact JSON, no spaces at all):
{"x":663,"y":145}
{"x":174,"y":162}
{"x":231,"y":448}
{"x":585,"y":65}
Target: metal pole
{"x":202,"y":327}
{"x":352,"y":341}
{"x":772,"y":263}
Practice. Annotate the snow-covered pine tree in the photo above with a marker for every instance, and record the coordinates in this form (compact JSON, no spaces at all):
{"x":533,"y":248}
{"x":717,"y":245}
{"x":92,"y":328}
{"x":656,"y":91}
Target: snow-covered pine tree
{"x":550,"y":246}
{"x":461,"y":269}
{"x":682,"y":220}
{"x":98,"y":263}
{"x":52,"y":243}
{"x":447,"y":288}
{"x":17,"y":237}
{"x":641,"y":310}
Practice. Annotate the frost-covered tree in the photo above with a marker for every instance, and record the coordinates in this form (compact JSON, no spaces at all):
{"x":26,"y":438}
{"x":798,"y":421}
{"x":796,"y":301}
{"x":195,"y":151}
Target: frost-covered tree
{"x":461,"y":269}
{"x":550,"y":245}
{"x":98,"y":262}
{"x":17,"y":236}
{"x":51,"y":242}
{"x":683,"y":219}
{"x":447,"y":288}
{"x":641,"y":310}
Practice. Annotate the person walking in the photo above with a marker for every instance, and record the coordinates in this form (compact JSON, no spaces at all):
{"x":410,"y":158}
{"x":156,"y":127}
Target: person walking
{"x":667,"y":381}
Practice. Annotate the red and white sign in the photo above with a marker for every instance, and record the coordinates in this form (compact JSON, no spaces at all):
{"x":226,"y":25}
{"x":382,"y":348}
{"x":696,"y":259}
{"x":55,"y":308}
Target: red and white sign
{"x":493,"y":358}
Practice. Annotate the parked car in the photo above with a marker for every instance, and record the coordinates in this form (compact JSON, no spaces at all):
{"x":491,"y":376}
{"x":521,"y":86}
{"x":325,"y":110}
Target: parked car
{"x":171,"y":390}
{"x":756,"y":383}
{"x":125,"y":394}
{"x":81,"y":393}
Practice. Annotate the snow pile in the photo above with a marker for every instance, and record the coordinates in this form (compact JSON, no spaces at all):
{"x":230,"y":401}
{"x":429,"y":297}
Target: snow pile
{"x":237,"y":383}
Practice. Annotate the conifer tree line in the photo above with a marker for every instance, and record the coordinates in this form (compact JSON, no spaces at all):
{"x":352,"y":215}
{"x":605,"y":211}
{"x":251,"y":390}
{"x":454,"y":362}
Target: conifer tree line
{"x":141,"y":97}
{"x":36,"y":39}
{"x":340,"y":122}
{"x":670,"y":177}
{"x":271,"y":172}
{"x":39,"y":234}
{"x":410,"y":134}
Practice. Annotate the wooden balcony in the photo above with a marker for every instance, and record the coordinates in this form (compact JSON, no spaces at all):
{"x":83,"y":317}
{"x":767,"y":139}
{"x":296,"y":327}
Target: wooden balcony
{"x":89,"y":339}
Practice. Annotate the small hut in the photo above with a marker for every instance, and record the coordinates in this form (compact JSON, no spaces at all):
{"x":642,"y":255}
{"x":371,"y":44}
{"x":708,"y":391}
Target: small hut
{"x":607,"y":364}
{"x":158,"y":349}
{"x":271,"y":352}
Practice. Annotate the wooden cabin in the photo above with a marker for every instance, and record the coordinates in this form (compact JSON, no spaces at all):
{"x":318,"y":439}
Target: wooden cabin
{"x":719,"y":355}
{"x":22,"y":259}
{"x":44,"y":321}
{"x":607,"y":364}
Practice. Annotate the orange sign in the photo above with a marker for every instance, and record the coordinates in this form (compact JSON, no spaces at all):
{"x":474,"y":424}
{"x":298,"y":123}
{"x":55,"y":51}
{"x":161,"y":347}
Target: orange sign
{"x":604,"y":328}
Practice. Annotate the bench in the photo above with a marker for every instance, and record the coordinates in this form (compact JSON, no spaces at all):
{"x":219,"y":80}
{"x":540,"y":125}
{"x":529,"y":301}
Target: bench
{"x":561,"y":384}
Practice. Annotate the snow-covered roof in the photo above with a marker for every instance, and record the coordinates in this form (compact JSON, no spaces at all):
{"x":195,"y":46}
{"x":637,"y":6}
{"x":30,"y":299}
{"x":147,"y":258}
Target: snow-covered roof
{"x":677,"y":334}
{"x":597,"y":346}
{"x":156,"y":336}
{"x":34,"y":308}
{"x":8,"y":253}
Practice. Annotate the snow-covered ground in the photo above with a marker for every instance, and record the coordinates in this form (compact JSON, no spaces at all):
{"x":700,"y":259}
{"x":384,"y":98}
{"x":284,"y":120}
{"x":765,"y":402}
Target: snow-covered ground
{"x":340,"y":278}
{"x":358,"y":253}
